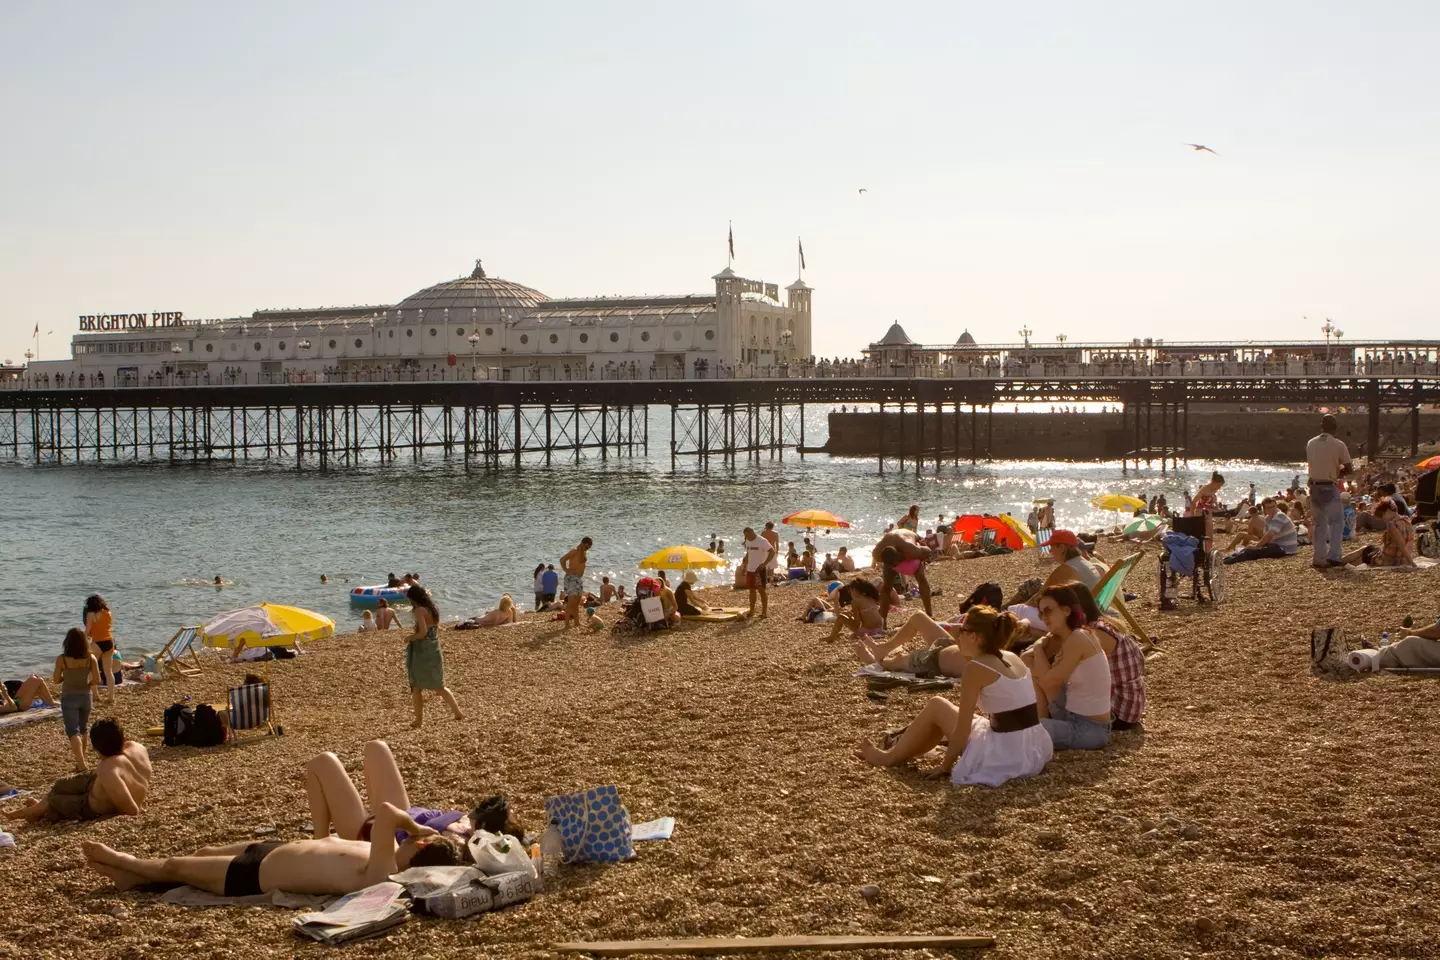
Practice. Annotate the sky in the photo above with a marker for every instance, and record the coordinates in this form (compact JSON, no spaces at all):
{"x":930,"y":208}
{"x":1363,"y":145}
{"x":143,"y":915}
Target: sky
{"x":1024,"y":164}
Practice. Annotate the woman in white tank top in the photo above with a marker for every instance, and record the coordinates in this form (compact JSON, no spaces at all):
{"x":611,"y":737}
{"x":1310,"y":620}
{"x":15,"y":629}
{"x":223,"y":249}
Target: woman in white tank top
{"x":1072,"y":675}
{"x":994,"y":733}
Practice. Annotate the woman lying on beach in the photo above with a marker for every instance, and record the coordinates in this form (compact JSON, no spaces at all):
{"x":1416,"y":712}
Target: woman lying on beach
{"x":1072,"y":674}
{"x":857,"y":606}
{"x":1008,"y":742}
{"x":33,"y":689}
{"x":334,"y":801}
{"x":501,"y":615}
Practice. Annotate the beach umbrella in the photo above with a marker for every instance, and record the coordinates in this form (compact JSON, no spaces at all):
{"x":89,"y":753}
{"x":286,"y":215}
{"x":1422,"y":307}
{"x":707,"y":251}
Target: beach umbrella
{"x":683,"y":557}
{"x":266,"y":625}
{"x":1431,"y":463}
{"x":1143,"y":524}
{"x":816,"y":518}
{"x":1117,"y":501}
{"x":1019,"y":529}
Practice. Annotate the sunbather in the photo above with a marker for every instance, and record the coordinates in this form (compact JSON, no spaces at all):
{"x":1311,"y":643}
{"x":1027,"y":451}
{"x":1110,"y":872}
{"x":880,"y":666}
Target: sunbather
{"x":1431,"y":632}
{"x":119,"y":783}
{"x":33,"y":689}
{"x":503,"y":614}
{"x":1010,"y":742}
{"x":858,"y":607}
{"x":328,"y":865}
{"x":334,"y":801}
{"x":1254,"y":529}
{"x":1397,"y":544}
{"x":939,"y":657}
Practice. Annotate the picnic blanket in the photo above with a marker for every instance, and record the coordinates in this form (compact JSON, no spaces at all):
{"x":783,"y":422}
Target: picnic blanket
{"x":36,"y":712}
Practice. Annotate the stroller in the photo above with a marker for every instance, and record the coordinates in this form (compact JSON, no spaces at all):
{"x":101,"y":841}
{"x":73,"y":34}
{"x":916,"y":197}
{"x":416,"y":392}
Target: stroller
{"x":645,"y":612}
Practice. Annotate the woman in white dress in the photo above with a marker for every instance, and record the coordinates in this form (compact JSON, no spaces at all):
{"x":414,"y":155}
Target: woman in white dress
{"x":1004,"y":743}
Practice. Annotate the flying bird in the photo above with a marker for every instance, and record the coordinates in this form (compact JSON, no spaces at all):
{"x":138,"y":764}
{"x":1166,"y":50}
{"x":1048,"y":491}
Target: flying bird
{"x":1201,"y":146}
{"x":863,"y":190}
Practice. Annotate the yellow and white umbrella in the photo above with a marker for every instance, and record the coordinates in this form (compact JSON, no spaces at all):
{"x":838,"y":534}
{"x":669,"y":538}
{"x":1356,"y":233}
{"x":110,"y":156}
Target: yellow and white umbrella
{"x":265,"y":625}
{"x":683,"y":557}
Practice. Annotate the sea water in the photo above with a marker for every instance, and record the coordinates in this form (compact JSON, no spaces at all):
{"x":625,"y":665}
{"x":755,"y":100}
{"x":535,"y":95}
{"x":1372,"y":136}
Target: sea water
{"x":150,"y":538}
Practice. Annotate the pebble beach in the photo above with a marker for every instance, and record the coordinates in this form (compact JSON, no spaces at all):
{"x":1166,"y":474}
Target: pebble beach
{"x":1260,"y":812}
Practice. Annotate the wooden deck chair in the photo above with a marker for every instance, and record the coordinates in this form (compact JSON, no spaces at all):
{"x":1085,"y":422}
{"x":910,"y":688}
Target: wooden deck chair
{"x":181,"y":645}
{"x":250,"y":708}
{"x":1110,"y":596}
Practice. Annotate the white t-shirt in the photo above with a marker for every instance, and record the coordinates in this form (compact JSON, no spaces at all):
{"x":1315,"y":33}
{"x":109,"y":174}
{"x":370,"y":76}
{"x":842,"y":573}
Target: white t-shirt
{"x":1325,"y":454}
{"x":755,"y":553}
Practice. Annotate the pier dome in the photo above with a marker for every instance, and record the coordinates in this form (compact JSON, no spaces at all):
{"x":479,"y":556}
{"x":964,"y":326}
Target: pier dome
{"x":475,"y":292}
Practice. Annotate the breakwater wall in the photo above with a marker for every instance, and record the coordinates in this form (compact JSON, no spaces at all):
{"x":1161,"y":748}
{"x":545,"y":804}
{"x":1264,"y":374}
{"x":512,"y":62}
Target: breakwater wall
{"x":1210,"y":435}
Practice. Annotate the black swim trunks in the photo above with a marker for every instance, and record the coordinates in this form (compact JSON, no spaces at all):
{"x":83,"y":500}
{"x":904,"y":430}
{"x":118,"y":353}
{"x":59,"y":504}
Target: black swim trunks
{"x":242,"y":877}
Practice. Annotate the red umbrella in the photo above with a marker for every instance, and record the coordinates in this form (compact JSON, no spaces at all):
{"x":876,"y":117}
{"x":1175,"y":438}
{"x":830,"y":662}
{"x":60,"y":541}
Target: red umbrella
{"x":1433,"y":463}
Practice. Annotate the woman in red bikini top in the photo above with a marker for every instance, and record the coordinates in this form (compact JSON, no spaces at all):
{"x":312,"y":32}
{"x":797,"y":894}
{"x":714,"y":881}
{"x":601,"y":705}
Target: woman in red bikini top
{"x":1206,"y":498}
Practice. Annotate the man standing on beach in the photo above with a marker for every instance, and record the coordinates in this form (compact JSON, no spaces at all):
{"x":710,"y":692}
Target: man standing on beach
{"x":759,"y":554}
{"x":573,"y":563}
{"x":1329,"y":460}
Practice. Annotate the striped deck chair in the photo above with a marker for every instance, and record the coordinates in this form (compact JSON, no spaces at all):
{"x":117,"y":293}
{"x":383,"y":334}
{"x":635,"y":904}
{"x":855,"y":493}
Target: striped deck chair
{"x":250,"y":708}
{"x":183,"y":644}
{"x":1109,"y":595}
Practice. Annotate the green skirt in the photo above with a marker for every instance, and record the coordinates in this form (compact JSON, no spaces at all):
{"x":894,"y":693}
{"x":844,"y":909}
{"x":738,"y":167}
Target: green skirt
{"x":424,"y":664}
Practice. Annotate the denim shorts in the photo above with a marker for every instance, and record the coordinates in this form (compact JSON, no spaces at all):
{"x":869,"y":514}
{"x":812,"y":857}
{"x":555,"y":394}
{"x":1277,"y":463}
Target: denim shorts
{"x":1074,"y":731}
{"x":75,"y":709}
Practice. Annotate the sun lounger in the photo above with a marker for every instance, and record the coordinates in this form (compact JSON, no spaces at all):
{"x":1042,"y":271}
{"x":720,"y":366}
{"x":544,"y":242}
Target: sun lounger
{"x":1110,"y":595}
{"x":250,"y":708}
{"x":181,"y":645}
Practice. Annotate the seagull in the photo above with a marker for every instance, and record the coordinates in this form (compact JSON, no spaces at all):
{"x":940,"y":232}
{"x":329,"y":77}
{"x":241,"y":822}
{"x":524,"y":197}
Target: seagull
{"x":863,"y":190}
{"x":1201,"y":146}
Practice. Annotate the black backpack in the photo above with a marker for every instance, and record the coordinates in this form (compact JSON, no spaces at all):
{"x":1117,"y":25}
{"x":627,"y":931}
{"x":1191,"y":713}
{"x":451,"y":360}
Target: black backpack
{"x":207,"y":730}
{"x":179,"y":722}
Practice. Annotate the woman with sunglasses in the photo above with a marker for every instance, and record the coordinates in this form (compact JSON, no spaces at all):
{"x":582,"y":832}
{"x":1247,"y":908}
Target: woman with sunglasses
{"x":1072,"y":674}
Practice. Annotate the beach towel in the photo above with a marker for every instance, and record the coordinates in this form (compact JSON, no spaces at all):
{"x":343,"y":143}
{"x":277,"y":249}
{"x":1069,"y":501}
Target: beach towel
{"x":184,"y":896}
{"x":712,"y":616}
{"x":1421,"y":563}
{"x":1182,"y":549}
{"x":36,"y":712}
{"x":876,"y":671}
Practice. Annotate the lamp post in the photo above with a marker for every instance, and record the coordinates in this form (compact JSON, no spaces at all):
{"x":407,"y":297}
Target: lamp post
{"x":1327,"y":329}
{"x":1025,"y":333}
{"x":474,"y":345}
{"x":175,"y":368}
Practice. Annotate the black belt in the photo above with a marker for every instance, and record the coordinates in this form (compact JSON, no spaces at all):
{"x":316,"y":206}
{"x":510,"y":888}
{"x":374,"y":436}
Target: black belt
{"x":1313,"y":481}
{"x":1021,"y":718}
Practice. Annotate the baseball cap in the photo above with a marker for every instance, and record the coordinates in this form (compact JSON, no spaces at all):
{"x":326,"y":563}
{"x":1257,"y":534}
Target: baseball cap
{"x":1064,"y":538}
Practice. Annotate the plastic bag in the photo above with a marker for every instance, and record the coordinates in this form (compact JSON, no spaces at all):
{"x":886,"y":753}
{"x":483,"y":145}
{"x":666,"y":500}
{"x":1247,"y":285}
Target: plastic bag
{"x":497,"y":853}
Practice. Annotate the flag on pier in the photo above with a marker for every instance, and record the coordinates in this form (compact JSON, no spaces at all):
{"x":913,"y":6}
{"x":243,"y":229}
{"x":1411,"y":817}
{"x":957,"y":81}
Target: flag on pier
{"x":801,"y":245}
{"x":37,"y":331}
{"x":732,"y":241}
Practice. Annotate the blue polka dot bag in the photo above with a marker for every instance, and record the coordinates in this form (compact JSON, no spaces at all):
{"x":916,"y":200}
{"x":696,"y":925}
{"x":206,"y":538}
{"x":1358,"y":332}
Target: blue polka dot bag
{"x":594,"y":825}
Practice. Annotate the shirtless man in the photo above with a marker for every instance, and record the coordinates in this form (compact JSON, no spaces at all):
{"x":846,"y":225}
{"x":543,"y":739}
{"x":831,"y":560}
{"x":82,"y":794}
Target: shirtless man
{"x":573,"y":563}
{"x":385,"y":617}
{"x":772,"y":538}
{"x":908,"y":559}
{"x":117,"y":785}
{"x":329,"y":865}
{"x":607,"y":590}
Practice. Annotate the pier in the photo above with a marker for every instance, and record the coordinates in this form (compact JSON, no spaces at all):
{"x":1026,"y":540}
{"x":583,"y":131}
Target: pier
{"x":496,"y":424}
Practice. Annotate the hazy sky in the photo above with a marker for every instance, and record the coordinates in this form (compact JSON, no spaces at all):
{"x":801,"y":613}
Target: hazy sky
{"x":1025,"y":162}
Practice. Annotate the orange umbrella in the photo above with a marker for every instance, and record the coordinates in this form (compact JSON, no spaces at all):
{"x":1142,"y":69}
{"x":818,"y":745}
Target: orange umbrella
{"x":816,"y":518}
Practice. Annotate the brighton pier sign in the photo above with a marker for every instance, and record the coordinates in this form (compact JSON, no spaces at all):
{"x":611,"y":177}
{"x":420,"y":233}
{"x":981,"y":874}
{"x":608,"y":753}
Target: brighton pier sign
{"x":129,"y":321}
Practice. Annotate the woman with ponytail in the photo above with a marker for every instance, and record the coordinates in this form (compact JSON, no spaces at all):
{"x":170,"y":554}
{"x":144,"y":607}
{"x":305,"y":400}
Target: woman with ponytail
{"x":1004,"y":743}
{"x":1072,"y":674}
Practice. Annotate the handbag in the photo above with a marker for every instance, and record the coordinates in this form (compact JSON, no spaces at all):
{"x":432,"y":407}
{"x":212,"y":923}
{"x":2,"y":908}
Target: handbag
{"x":594,"y":825}
{"x":1329,"y":653}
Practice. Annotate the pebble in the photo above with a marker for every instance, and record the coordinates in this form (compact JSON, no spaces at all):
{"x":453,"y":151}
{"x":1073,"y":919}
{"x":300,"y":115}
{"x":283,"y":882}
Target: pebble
{"x":870,"y":892}
{"x":1051,"y":839}
{"x":1147,"y":825}
{"x":118,"y":912}
{"x":1205,"y":926}
{"x":1191,"y":832}
{"x":264,"y":831}
{"x":1151,"y":834}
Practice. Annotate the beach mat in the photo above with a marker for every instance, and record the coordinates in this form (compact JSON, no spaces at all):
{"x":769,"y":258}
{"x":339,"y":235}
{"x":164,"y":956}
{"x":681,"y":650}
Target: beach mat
{"x":1421,"y":563}
{"x":712,"y":616}
{"x":28,"y":716}
{"x":194,"y":897}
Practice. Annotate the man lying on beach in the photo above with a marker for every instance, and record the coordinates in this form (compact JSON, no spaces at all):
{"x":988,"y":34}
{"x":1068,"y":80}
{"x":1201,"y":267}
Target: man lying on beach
{"x":327,"y":865}
{"x":119,"y":784}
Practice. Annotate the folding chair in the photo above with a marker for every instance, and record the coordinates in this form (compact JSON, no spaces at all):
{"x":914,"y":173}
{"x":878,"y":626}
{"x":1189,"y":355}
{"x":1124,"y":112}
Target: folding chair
{"x":250,"y":708}
{"x":182,"y":644}
{"x":1109,"y":594}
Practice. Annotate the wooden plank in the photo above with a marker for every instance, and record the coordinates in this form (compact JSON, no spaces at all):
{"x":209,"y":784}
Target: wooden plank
{"x":621,"y":948}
